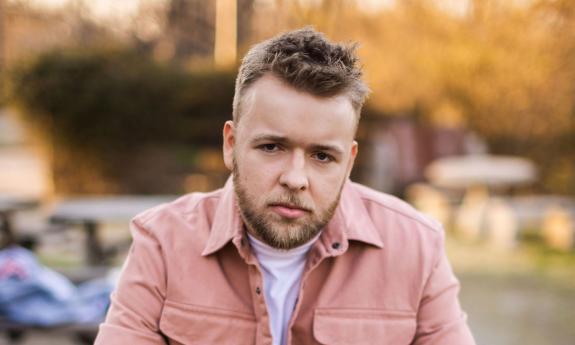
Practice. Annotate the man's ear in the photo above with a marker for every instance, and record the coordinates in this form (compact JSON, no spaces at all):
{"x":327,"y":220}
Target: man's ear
{"x":354,"y":150}
{"x":229,"y":142}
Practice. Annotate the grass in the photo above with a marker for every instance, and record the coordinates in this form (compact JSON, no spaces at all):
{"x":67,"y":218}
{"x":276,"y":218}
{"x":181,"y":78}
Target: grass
{"x":530,"y":258}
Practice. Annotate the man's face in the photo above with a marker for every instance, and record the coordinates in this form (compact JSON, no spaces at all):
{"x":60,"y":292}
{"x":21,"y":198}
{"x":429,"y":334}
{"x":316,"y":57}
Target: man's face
{"x":290,"y":154}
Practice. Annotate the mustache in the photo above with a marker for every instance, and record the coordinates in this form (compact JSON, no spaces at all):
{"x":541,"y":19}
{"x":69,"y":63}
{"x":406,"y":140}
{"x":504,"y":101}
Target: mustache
{"x":289,"y":200}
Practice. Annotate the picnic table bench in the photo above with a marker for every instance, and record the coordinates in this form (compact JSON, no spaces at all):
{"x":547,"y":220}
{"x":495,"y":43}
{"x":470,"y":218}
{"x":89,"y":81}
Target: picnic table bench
{"x":9,"y":205}
{"x":90,"y":213}
{"x":16,"y":333}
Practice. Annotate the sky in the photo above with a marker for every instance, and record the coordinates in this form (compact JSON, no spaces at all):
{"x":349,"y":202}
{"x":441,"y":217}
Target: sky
{"x":117,"y":13}
{"x":97,"y":8}
{"x":117,"y":8}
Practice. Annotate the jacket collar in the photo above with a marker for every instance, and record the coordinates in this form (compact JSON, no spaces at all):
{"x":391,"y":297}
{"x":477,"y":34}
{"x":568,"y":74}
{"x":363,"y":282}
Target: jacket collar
{"x":227,"y":225}
{"x":351,"y":221}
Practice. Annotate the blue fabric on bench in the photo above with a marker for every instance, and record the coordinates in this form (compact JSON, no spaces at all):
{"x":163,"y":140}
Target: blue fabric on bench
{"x":32,"y":294}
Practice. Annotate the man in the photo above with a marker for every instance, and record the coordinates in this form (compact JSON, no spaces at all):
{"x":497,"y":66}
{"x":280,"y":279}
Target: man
{"x":289,"y":251}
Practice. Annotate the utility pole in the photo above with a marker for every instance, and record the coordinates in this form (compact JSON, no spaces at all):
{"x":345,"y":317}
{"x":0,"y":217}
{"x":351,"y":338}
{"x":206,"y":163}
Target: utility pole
{"x":226,"y":41}
{"x":3,"y":18}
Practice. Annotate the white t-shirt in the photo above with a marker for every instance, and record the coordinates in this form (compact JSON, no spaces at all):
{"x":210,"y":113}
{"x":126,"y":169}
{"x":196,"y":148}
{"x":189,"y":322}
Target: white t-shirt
{"x":282,"y":270}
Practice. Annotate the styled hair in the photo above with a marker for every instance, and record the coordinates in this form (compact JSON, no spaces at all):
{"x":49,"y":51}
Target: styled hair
{"x":307,"y":61}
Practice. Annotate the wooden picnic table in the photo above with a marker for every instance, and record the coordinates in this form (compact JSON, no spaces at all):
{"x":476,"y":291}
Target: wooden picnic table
{"x":92,"y":212}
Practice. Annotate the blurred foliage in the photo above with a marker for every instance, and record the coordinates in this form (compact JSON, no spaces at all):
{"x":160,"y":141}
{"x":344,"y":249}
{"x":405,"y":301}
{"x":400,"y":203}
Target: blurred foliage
{"x":106,"y":112}
{"x":121,"y":99}
{"x":505,"y":69}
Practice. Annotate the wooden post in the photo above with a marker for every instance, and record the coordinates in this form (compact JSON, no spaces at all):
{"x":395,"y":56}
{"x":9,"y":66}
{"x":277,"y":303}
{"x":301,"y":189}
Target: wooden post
{"x":94,"y":249}
{"x":2,"y":40}
{"x":226,"y":33}
{"x":559,"y":228}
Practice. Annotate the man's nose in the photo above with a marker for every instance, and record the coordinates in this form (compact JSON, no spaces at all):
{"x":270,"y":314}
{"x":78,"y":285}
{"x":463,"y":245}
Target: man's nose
{"x":294,"y":176}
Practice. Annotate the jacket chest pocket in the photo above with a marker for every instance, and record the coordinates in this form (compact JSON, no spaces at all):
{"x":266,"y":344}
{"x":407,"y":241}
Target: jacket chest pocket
{"x":190,"y":325}
{"x":363,"y":327}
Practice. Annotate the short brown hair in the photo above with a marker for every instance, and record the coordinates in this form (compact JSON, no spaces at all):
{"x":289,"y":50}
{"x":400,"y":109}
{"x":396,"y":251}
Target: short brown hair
{"x":306,"y":60}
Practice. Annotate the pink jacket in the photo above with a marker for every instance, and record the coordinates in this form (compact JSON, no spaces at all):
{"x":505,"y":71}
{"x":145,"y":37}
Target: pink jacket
{"x":377,"y":275}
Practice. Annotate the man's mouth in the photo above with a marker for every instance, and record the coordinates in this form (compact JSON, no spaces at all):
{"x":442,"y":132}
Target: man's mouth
{"x":289,"y":210}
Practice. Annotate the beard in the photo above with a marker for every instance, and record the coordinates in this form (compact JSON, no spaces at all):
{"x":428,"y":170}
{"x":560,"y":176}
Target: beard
{"x":279,"y":232}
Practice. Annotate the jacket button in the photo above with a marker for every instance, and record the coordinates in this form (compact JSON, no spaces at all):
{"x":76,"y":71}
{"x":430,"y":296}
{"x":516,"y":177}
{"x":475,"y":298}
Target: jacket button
{"x":335,"y":245}
{"x":258,"y":290}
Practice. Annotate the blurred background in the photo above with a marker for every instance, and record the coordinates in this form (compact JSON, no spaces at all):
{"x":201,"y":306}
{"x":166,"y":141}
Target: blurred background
{"x":110,"y":107}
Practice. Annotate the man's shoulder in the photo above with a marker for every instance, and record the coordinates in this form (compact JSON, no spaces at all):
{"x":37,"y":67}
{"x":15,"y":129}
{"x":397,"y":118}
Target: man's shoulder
{"x":186,"y":207}
{"x":381,"y":205}
{"x":402,"y":230}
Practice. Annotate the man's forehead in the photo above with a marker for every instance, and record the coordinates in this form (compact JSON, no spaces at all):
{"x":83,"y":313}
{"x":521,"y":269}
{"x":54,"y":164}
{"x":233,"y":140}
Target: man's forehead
{"x":268,"y":83}
{"x":257,"y":129}
{"x":272,"y":103}
{"x":269,"y":88}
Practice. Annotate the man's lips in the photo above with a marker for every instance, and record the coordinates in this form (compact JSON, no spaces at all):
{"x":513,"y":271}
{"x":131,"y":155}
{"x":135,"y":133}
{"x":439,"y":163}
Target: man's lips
{"x":288,"y":210}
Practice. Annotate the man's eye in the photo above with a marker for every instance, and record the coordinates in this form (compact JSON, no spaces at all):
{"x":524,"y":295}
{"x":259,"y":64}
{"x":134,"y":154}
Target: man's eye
{"x":269,"y":147}
{"x":323,"y":157}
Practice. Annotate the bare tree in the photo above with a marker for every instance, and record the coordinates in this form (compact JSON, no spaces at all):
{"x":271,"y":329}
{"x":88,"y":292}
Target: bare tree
{"x":191,"y":27}
{"x":245,"y":17}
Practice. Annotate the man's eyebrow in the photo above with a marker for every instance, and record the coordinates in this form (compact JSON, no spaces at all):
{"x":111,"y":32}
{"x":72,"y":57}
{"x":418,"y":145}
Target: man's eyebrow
{"x":270,"y":137}
{"x":330,"y":148}
{"x":283,"y":140}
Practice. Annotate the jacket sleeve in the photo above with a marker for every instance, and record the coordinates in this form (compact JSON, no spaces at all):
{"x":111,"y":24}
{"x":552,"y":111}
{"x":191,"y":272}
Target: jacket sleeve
{"x":440,"y":320}
{"x":137,"y":302}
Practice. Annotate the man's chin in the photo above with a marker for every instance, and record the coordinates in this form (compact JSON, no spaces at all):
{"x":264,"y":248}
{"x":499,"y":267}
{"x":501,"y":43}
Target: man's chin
{"x":284,"y":235}
{"x":285,"y":221}
{"x":288,"y":243}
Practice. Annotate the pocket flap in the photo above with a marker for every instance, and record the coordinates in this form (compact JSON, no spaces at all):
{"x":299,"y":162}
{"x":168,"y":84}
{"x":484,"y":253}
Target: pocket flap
{"x":191,"y":324}
{"x":363,"y":326}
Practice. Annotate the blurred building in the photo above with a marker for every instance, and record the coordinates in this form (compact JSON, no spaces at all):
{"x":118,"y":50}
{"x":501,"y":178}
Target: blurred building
{"x":398,"y":150}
